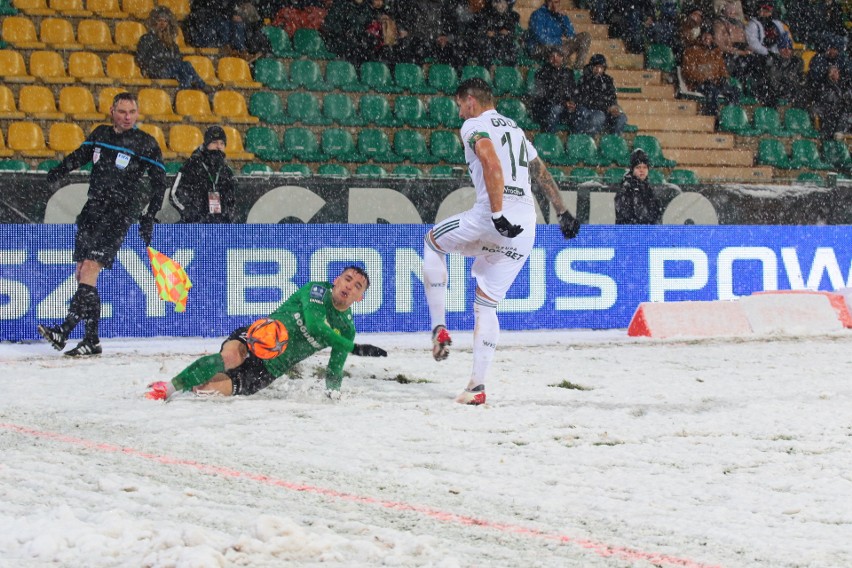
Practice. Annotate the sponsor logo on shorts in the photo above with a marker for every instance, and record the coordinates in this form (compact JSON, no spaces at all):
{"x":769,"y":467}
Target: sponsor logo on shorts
{"x":510,"y":252}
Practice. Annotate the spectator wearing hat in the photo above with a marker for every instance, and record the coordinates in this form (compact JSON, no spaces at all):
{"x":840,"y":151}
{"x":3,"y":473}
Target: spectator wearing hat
{"x":784,"y":77}
{"x":203,"y":190}
{"x":554,"y":97}
{"x":597,"y":102}
{"x":691,"y":26}
{"x":635,"y":202}
{"x":763,"y":32}
{"x":549,"y":27}
{"x":729,"y":34}
{"x":704,"y":71}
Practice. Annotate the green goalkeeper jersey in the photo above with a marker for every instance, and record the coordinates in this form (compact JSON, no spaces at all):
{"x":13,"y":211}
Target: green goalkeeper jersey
{"x":313,"y":323}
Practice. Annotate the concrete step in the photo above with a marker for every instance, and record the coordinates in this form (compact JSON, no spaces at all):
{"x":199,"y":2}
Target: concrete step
{"x":632,"y":61}
{"x":597,"y":31}
{"x":716,"y":141}
{"x":646,"y":92}
{"x":733,"y":174}
{"x":687,"y":157}
{"x":635,"y":77}
{"x":678,"y":123}
{"x":649,"y":106}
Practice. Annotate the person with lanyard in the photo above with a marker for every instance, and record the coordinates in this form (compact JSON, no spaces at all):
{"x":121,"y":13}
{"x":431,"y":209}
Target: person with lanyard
{"x":203,"y":190}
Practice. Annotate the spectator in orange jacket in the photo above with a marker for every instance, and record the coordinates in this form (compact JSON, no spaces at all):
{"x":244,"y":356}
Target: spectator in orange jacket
{"x":704,"y":70}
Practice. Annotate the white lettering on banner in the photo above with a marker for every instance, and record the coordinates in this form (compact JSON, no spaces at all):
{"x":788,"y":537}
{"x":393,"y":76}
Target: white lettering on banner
{"x":825,"y":262}
{"x":566,"y":273}
{"x":55,"y":304}
{"x":285,"y":201}
{"x":409,"y":264}
{"x":659,"y":284}
{"x":370,"y":204}
{"x":370,"y":258}
{"x":537,"y":294}
{"x":140,"y":272}
{"x":725,"y":268}
{"x":281,"y":279}
{"x":17,"y":292}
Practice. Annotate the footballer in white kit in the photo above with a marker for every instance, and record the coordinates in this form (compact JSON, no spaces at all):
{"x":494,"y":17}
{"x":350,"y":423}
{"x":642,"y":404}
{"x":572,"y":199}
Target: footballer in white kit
{"x":498,"y":231}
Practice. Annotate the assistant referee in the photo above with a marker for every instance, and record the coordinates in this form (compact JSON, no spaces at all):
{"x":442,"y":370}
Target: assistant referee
{"x":121,"y":155}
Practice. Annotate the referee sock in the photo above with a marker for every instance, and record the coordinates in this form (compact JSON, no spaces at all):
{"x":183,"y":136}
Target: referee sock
{"x":93,"y":317}
{"x":199,"y":372}
{"x":435,"y":284}
{"x":79,"y":308}
{"x":486,"y":333}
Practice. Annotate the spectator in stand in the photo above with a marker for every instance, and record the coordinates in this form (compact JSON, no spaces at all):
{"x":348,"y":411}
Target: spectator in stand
{"x":763,"y":34}
{"x":729,"y":34}
{"x":597,"y":103}
{"x":635,"y":202}
{"x":735,"y":10}
{"x":703,"y":68}
{"x":247,"y":39}
{"x":203,"y":190}
{"x":832,"y":104}
{"x":297,"y":14}
{"x":382,"y":33}
{"x":817,"y":23}
{"x":158,"y":55}
{"x":496,"y":25}
{"x":637,"y":17}
{"x":553,"y":103}
{"x":832,"y":54}
{"x":345,"y":30}
{"x":548,"y":27}
{"x":691,"y":28}
{"x":433,"y":29}
{"x":208,"y":24}
{"x":784,"y":76}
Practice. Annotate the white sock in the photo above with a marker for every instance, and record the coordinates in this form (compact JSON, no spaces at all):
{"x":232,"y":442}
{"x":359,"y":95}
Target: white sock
{"x":435,"y":284}
{"x":486,"y":333}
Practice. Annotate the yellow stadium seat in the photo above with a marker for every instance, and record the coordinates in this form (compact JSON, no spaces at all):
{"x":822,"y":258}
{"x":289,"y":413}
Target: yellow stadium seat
{"x":189,"y":50}
{"x":110,"y":9}
{"x":232,"y":106}
{"x":127,"y":34}
{"x":12,"y":67}
{"x":21,"y":33}
{"x":235,"y":72}
{"x":194,"y":104}
{"x":27,"y":138}
{"x":105,"y":97}
{"x":807,"y":55}
{"x":65,"y":137}
{"x":156,"y":105}
{"x":95,"y":35}
{"x":58,"y":33}
{"x":33,"y":7}
{"x":4,"y":151}
{"x":122,"y":67}
{"x":8,"y":108}
{"x":204,"y":67}
{"x":79,"y":104}
{"x":70,"y":8}
{"x":48,"y":67}
{"x":138,"y":9}
{"x":38,"y":103}
{"x":180,"y":8}
{"x":234,"y":148}
{"x":158,"y":135}
{"x":184,"y":139}
{"x":88,"y":68}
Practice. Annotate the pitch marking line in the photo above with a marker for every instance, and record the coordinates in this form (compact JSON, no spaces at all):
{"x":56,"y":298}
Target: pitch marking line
{"x":598,"y":548}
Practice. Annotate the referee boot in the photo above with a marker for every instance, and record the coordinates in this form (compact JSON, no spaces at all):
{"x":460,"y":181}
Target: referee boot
{"x":54,"y":335}
{"x":85,"y":348}
{"x":441,"y":342}
{"x":472,"y":397}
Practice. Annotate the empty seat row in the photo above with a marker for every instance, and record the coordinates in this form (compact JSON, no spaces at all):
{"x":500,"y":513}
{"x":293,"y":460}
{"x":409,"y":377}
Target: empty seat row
{"x":78,"y":103}
{"x":117,"y":9}
{"x":766,"y":120}
{"x":582,"y":149}
{"x":87,"y":67}
{"x":804,"y":153}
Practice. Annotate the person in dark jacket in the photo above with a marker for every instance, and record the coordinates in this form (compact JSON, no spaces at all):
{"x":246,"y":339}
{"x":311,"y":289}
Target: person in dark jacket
{"x":553,"y":103}
{"x":121,"y":156}
{"x":597,"y":103}
{"x":635,"y":203}
{"x":496,"y":24}
{"x":344,"y":30}
{"x":203,"y":190}
{"x":831,"y":105}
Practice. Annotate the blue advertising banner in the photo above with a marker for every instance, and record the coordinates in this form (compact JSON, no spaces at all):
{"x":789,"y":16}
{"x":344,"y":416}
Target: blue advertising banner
{"x":242,"y":272}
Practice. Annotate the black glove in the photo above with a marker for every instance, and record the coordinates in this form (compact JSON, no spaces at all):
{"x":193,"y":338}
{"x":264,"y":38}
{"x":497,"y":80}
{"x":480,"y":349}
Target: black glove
{"x":505,"y":228}
{"x":569,"y":226}
{"x":365,"y":350}
{"x":146,"y":228}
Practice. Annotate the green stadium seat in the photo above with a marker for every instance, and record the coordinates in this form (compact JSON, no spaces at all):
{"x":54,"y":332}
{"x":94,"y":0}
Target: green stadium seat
{"x":280,"y":42}
{"x":374,"y":144}
{"x":771,"y":152}
{"x":559,"y":175}
{"x":339,"y":109}
{"x":733,"y":118}
{"x":302,"y":144}
{"x":375,"y":109}
{"x":660,"y":56}
{"x":309,"y":43}
{"x":272,"y":73}
{"x":805,"y":154}
{"x":811,"y":178}
{"x":411,"y":145}
{"x":550,"y":148}
{"x":411,"y":111}
{"x":296,"y":170}
{"x":445,"y":145}
{"x":768,"y":121}
{"x":342,"y":75}
{"x":306,"y":73}
{"x":173,"y":167}
{"x":443,"y":78}
{"x":656,"y":177}
{"x":582,"y":175}
{"x":376,"y":75}
{"x":798,"y":121}
{"x":371,"y":171}
{"x":263,"y":142}
{"x":475,"y":72}
{"x":445,"y":112}
{"x":442,"y":172}
{"x":269,"y":108}
{"x":654,"y":151}
{"x":409,"y":77}
{"x":252,"y":169}
{"x":836,"y":153}
{"x":581,"y":149}
{"x":14,"y":166}
{"x":517,"y":111}
{"x":530,"y":81}
{"x":47,"y":165}
{"x":406,"y":171}
{"x":333,"y":170}
{"x":508,"y":81}
{"x":304,"y":107}
{"x":683,"y":177}
{"x":613,"y":149}
{"x":613,"y":176}
{"x":338,"y":144}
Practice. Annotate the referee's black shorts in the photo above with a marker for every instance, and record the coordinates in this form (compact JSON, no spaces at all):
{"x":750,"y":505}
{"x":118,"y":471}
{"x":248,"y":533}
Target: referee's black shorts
{"x":252,"y":375}
{"x":100,"y":233}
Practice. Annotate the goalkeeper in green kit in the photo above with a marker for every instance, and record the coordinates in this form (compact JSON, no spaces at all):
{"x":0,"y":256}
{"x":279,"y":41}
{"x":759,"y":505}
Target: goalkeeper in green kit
{"x":317,"y":316}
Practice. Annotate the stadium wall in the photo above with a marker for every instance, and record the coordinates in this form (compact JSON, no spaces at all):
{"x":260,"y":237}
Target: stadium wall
{"x":243,"y":271}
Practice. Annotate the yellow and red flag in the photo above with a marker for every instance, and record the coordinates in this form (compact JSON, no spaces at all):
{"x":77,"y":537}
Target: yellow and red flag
{"x":172,"y":282}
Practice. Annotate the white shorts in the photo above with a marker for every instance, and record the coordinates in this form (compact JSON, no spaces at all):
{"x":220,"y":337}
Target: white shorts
{"x":498,"y":259}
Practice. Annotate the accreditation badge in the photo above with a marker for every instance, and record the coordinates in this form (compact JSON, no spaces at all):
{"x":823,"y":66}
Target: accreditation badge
{"x":122,"y":160}
{"x":96,"y":155}
{"x":214,"y":204}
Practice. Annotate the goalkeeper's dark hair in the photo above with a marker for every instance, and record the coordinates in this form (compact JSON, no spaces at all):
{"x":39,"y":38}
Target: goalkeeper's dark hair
{"x":476,"y":88}
{"x":358,"y":270}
